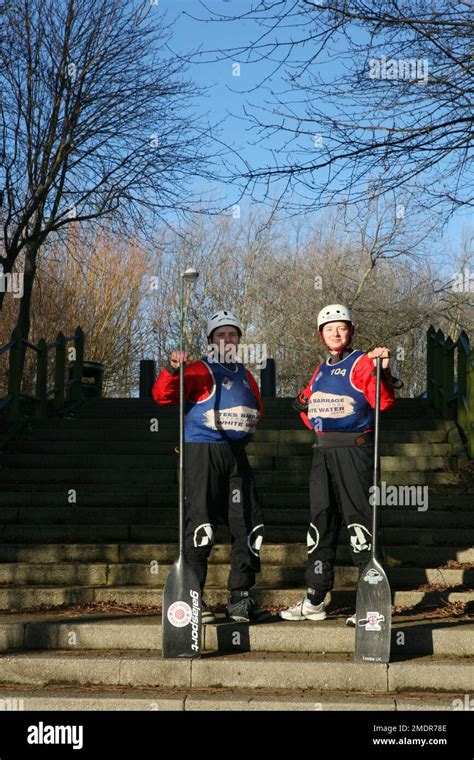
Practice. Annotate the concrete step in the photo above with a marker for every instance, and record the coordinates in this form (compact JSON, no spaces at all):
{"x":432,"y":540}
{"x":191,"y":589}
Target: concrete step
{"x":104,"y":461}
{"x":272,"y":405}
{"x":157,"y":491}
{"x":274,"y":402}
{"x":89,"y":494}
{"x":170,"y":414}
{"x":275,"y":416}
{"x":454,"y":502}
{"x":277,"y":424}
{"x":26,"y":597}
{"x":166,"y":553}
{"x":154,"y":574}
{"x":43,"y":495}
{"x":75,"y":476}
{"x":163,"y":525}
{"x":407,"y":517}
{"x":68,"y":448}
{"x":53,"y":463}
{"x":66,"y":698}
{"x":157,"y":533}
{"x":143,"y":437}
{"x":79,"y":632}
{"x":251,"y":670}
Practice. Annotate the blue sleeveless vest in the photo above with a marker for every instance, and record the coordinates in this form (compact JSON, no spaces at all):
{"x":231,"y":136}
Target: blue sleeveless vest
{"x":230,"y":413}
{"x":335,"y":404}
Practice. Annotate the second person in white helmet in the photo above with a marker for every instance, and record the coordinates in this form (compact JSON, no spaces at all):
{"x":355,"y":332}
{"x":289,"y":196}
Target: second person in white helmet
{"x":338,"y":404}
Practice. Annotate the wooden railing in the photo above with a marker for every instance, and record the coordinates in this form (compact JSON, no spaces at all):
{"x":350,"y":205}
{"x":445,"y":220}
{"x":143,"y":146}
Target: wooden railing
{"x":16,"y":346}
{"x":452,"y":404}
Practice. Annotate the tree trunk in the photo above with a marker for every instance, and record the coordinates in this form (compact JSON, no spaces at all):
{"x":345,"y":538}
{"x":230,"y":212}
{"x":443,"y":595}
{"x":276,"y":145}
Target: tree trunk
{"x":7,"y":265}
{"x":24,"y":318}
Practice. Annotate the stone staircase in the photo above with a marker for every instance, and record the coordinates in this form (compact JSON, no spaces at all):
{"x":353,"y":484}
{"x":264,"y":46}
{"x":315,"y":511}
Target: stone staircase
{"x":88,"y":516}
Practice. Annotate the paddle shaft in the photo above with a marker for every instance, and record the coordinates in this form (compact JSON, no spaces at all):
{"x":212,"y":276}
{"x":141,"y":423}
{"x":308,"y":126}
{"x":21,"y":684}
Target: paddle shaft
{"x":376,"y":453}
{"x":181,"y":423}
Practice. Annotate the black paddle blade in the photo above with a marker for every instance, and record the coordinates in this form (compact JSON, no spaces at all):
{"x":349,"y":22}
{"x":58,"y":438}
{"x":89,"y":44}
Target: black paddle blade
{"x":182,"y":613}
{"x":373,"y":615}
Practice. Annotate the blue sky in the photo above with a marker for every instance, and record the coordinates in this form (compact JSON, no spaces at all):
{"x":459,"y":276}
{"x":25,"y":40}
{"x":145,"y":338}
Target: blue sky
{"x":225,"y":95}
{"x":226,"y":91}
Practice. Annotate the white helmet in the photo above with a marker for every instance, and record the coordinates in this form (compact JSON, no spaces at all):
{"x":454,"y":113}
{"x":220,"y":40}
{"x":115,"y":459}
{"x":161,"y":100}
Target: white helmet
{"x":335,"y":312}
{"x":221,"y":318}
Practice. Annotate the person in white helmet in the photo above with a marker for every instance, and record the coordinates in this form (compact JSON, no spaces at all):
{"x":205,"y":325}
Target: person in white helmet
{"x":338,"y":404}
{"x":222,"y":408}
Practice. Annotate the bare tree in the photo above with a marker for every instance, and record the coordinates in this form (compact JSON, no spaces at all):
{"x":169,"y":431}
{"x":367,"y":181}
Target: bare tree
{"x":95,"y":124}
{"x":231,"y":255}
{"x":359,"y":98}
{"x":98,"y":282}
{"x":278,"y":280}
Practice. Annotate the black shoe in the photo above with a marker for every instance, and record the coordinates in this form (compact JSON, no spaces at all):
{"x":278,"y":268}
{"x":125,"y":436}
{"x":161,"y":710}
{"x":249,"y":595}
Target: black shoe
{"x":207,"y":615}
{"x":243,"y":610}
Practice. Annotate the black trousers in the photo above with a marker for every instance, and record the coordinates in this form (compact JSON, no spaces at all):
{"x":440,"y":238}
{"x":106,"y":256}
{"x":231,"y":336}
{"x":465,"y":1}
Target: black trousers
{"x":339,"y":486}
{"x":220,"y":487}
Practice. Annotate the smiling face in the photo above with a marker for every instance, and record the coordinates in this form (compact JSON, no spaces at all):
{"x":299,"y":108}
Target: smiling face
{"x":337,"y":335}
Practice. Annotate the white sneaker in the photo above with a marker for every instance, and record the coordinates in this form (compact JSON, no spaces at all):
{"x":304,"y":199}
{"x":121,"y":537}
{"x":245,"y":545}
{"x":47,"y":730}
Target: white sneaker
{"x":352,"y":621}
{"x":304,"y":610}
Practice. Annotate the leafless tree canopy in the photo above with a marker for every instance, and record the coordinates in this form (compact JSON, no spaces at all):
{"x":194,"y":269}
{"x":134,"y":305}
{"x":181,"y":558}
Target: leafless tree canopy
{"x":376,"y":95}
{"x":277,"y":276}
{"x":95,"y":123}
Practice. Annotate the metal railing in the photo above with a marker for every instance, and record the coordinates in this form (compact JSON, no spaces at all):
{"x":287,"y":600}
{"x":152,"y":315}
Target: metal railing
{"x":16,"y":346}
{"x":452,"y":403}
